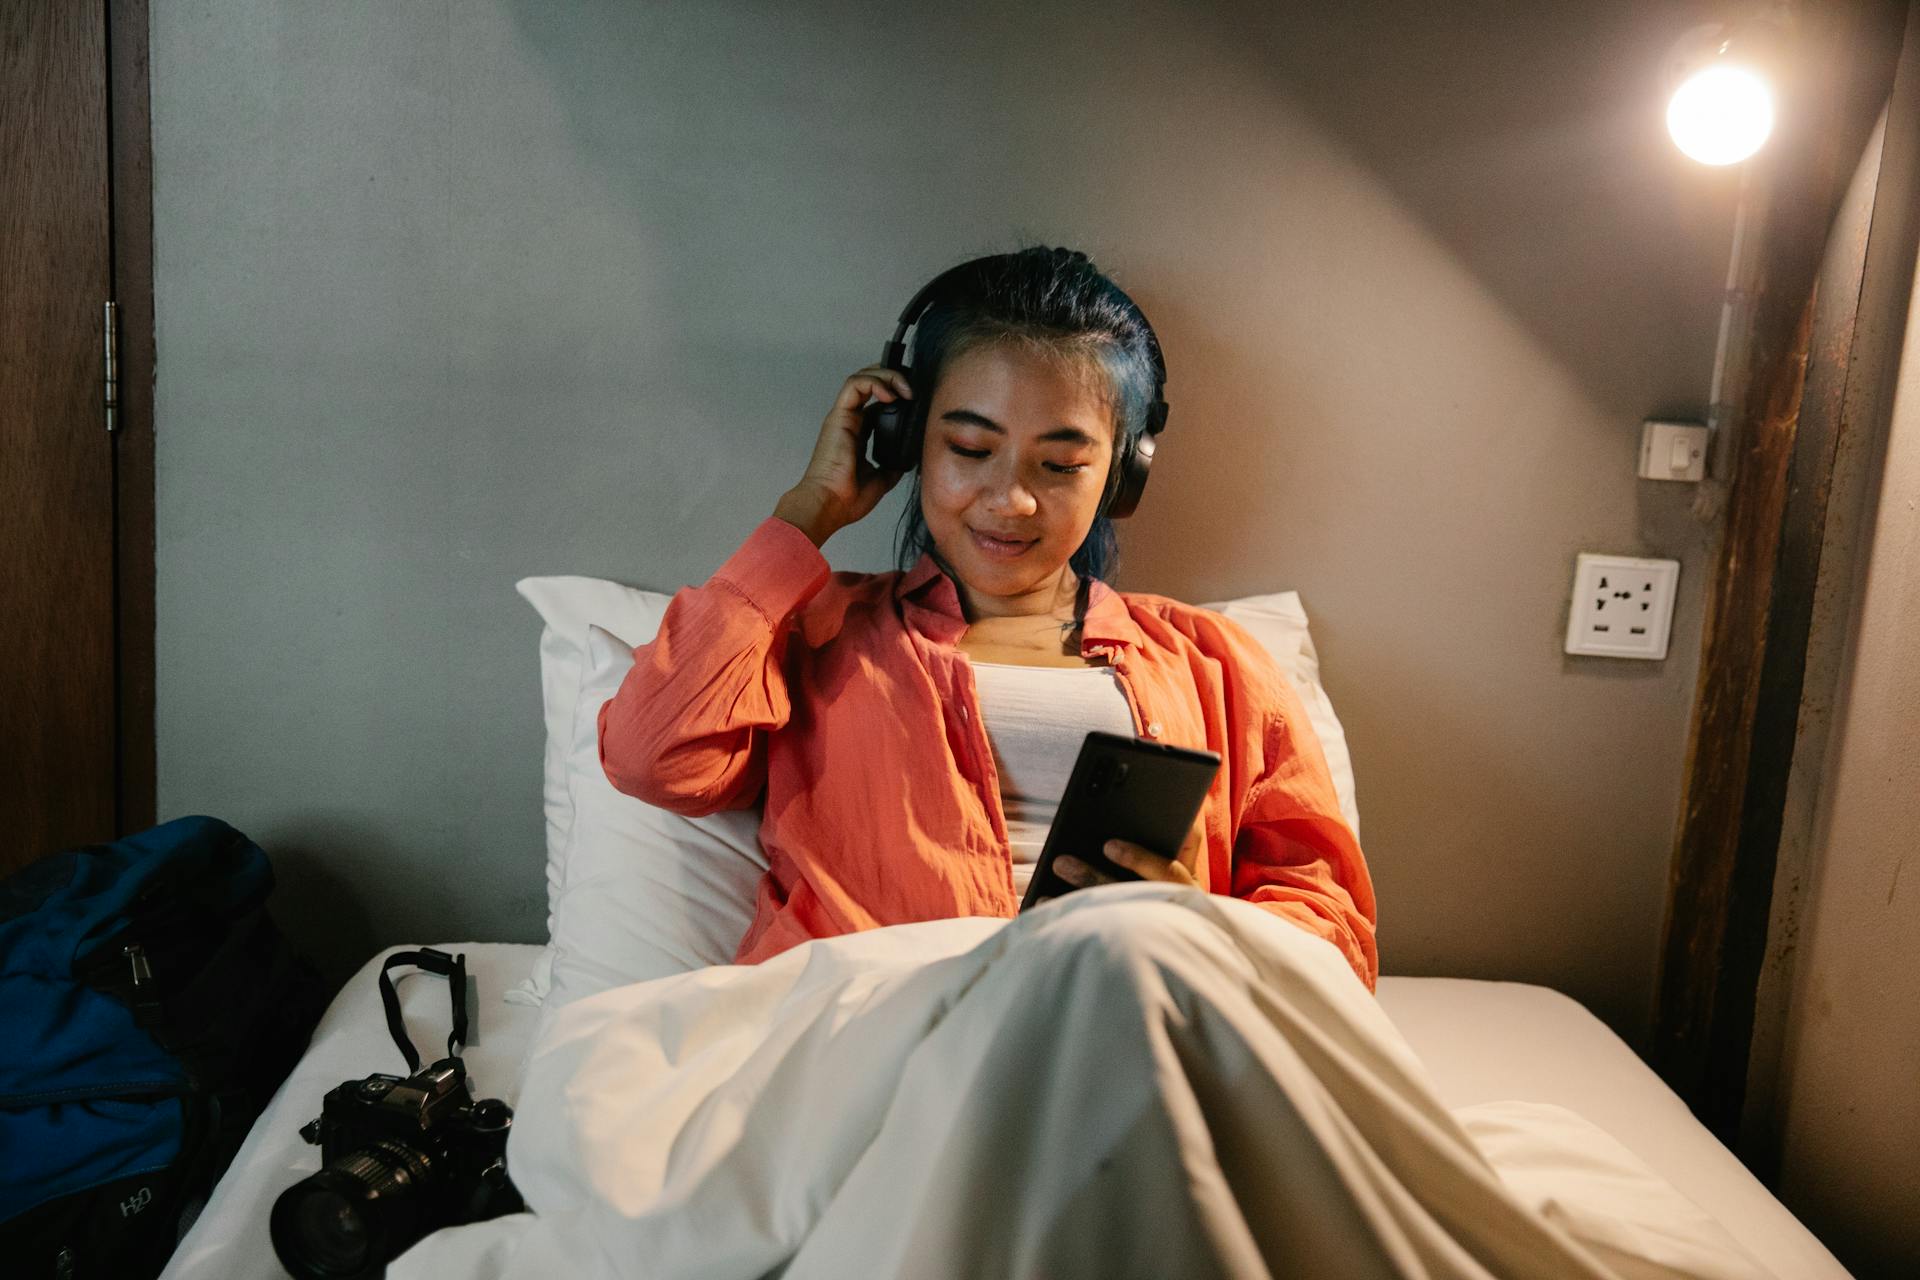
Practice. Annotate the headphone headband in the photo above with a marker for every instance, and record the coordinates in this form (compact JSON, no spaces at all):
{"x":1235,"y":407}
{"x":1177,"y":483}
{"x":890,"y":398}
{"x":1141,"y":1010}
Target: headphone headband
{"x":894,"y":354}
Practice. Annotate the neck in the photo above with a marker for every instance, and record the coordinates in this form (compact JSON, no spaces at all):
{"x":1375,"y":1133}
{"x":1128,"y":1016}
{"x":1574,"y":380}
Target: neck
{"x":1058,"y":599}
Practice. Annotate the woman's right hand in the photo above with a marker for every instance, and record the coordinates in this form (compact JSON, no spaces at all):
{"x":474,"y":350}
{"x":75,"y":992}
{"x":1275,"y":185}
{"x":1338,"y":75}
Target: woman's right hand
{"x":840,"y":486}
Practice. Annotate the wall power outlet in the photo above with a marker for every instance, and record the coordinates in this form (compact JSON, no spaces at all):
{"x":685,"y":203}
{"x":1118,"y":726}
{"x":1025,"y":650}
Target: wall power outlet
{"x":1622,"y":606}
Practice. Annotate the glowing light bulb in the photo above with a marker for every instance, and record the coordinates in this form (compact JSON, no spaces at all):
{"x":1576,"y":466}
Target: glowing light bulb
{"x":1721,"y":114}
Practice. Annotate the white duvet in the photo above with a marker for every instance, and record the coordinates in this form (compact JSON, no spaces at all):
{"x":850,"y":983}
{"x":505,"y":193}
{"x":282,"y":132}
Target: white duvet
{"x":1138,"y":1080}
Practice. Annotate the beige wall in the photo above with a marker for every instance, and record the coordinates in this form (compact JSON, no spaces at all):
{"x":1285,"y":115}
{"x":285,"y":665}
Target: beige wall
{"x":447,"y":299}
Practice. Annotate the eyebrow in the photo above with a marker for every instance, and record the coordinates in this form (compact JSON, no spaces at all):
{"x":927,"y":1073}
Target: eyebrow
{"x":1071,"y":435}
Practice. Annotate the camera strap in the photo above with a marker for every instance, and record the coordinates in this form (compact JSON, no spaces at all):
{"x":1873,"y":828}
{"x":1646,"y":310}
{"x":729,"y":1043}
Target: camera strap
{"x":454,"y":970}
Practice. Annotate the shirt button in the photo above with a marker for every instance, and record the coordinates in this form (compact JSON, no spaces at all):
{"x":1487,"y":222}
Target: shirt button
{"x":1153,"y":730}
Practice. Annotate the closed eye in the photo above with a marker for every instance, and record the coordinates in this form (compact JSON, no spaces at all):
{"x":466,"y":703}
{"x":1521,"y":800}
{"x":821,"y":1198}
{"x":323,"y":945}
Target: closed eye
{"x":1057,"y":468}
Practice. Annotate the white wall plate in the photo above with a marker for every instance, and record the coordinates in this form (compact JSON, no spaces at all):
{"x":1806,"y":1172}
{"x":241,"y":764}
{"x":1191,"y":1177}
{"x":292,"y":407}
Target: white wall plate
{"x":1622,"y":606}
{"x":1673,"y":450}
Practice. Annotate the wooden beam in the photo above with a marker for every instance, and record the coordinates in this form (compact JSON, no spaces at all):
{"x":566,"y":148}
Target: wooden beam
{"x":1806,"y":296}
{"x":131,"y":161}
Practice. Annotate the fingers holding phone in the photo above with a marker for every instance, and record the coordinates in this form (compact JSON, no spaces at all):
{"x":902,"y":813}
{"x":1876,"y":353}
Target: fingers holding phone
{"x":1143,"y":862}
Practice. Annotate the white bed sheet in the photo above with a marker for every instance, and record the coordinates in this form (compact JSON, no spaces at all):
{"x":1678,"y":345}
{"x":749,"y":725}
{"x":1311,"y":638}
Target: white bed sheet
{"x":1491,"y":1041}
{"x":1481,"y":1041}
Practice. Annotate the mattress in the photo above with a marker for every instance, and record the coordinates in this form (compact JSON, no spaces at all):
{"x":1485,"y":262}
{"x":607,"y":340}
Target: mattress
{"x":1481,"y":1041}
{"x":1489,"y":1041}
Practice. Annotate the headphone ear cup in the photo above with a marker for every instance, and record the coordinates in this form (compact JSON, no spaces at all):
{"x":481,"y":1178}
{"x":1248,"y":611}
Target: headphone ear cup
{"x":889,"y":427}
{"x":1133,"y":464}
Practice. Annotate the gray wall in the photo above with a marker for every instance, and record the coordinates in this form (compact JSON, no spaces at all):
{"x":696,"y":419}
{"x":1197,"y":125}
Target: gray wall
{"x":446,"y":297}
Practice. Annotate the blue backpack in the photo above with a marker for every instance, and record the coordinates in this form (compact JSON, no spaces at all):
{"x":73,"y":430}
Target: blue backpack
{"x":149,"y":1007}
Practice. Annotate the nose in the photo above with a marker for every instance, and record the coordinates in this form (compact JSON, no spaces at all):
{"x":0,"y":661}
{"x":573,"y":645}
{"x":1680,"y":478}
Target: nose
{"x":1010,"y":497}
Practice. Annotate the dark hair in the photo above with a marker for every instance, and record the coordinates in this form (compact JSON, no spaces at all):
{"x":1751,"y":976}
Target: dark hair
{"x":1053,"y":302}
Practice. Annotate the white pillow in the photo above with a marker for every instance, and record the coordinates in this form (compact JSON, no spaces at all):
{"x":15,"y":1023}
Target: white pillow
{"x":647,"y":893}
{"x":618,"y":831}
{"x":568,"y":605}
{"x":1279,"y":623}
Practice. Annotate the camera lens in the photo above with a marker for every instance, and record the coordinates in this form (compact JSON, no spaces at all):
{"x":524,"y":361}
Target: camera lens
{"x":354,"y":1216}
{"x":332,"y":1232}
{"x":1107,"y":774}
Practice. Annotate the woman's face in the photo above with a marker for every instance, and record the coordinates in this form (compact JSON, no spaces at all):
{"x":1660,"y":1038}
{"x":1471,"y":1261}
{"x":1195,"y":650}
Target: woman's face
{"x":1014,"y":460}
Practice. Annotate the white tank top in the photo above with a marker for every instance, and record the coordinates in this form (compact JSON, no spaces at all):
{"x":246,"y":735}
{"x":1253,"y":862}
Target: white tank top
{"x":1036,"y":718}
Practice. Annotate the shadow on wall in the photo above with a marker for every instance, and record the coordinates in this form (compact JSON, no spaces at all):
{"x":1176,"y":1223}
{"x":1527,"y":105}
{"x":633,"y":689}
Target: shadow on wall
{"x":331,"y":876}
{"x":1535,"y":155}
{"x":1530,"y":140}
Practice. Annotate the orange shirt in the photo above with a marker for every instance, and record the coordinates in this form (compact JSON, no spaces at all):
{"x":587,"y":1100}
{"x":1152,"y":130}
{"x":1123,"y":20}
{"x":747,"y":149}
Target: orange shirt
{"x":844,"y":698}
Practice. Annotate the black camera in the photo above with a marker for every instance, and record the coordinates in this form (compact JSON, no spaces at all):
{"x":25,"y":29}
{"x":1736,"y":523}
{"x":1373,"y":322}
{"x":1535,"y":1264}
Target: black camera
{"x":402,"y":1156}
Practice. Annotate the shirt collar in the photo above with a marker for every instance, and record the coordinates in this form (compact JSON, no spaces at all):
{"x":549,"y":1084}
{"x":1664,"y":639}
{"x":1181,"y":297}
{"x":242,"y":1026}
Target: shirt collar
{"x":931,"y":599}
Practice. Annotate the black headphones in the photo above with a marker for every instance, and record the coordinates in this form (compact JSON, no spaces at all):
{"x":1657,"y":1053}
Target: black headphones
{"x":895,"y":427}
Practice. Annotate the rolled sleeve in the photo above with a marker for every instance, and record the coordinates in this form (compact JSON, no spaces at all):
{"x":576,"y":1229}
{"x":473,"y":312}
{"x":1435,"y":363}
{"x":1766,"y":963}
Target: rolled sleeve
{"x":777,"y":569}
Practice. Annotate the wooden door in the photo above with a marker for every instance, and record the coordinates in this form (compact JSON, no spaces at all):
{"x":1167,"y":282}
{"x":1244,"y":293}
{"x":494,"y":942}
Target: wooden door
{"x":57,"y":637}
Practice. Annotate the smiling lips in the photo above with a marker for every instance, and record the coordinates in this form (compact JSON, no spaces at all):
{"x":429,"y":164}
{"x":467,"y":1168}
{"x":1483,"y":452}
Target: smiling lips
{"x":1000,"y":548}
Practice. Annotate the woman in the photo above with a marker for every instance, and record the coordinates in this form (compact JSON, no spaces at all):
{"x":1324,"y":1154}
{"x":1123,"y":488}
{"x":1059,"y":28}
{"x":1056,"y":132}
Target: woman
{"x":912,"y":731}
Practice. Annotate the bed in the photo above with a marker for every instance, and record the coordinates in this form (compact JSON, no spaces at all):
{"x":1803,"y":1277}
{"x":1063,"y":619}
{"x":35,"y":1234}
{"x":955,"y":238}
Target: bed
{"x":1481,"y":1041}
{"x":636,"y":894}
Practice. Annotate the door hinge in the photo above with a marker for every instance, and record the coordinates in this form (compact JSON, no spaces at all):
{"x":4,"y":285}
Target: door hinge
{"x":113,"y":364}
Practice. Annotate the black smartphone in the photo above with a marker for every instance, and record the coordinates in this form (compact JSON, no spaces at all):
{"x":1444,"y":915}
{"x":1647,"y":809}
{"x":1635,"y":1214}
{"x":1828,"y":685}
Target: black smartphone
{"x":1122,"y":789}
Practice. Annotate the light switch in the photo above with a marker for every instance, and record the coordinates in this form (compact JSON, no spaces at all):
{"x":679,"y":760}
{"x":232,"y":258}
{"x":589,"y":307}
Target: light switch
{"x":1673,"y":451}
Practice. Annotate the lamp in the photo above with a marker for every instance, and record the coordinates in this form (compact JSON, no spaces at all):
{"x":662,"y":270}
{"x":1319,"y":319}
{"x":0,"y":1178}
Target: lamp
{"x":1720,"y":108}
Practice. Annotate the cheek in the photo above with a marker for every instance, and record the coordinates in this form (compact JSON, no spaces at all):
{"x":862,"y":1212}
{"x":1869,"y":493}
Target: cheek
{"x":944,"y":487}
{"x":1076,"y":518}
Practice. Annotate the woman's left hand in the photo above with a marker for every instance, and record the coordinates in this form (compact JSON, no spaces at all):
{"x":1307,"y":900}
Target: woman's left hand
{"x":1150,"y":865}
